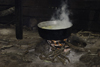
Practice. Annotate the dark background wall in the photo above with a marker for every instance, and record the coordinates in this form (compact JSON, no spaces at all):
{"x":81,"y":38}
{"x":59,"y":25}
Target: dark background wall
{"x":85,"y":14}
{"x":41,"y":10}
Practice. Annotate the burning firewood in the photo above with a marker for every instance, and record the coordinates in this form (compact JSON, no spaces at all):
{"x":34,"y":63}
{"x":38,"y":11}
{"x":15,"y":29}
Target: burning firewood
{"x":55,"y":56}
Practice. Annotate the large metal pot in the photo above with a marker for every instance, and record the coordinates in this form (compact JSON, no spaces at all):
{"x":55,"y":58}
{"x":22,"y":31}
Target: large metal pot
{"x":54,"y":30}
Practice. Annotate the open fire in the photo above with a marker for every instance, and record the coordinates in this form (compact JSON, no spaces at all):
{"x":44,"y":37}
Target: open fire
{"x":57,"y":44}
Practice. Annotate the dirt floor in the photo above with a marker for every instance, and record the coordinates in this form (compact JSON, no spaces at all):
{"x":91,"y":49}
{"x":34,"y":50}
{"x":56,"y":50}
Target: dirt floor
{"x":26,"y":52}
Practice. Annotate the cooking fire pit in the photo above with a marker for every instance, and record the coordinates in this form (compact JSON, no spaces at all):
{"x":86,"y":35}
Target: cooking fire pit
{"x":55,"y":33}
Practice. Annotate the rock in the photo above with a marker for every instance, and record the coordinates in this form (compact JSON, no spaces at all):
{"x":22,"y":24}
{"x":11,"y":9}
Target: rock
{"x":7,"y":31}
{"x":33,"y":24}
{"x":77,"y":41}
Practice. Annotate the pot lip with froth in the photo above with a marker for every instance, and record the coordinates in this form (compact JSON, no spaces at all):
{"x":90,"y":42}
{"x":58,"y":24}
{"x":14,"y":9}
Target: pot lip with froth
{"x":53,"y":34}
{"x":55,"y":23}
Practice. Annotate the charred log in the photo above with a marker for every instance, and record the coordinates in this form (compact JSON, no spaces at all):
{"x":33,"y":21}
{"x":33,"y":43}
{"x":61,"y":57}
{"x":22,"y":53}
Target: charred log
{"x":7,"y":11}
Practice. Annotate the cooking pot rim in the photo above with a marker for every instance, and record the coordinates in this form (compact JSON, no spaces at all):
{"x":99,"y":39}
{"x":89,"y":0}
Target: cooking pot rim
{"x":53,"y":29}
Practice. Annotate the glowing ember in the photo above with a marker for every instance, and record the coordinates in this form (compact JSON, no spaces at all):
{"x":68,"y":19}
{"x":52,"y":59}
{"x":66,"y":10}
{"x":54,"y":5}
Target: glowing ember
{"x":57,"y":44}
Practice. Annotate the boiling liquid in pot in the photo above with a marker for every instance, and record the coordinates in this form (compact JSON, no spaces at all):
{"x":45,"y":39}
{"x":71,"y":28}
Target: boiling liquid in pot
{"x":54,"y":25}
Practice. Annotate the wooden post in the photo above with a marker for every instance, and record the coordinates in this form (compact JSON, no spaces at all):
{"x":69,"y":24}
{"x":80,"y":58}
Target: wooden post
{"x":19,"y":24}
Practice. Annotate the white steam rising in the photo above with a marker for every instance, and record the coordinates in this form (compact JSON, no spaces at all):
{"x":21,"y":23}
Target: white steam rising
{"x":62,"y":16}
